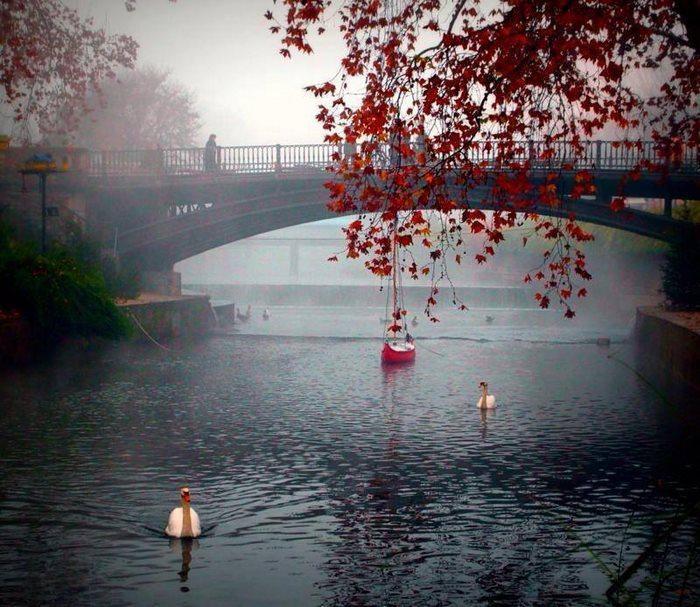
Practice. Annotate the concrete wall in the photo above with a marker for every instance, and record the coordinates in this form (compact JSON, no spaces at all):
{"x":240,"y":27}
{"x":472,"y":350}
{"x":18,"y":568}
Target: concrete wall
{"x":360,"y":295}
{"x":668,"y":350}
{"x":183,"y":317}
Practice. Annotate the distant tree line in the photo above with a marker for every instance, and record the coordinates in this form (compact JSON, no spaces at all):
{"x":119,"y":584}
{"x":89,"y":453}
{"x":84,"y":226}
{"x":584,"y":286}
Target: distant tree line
{"x":141,"y":109}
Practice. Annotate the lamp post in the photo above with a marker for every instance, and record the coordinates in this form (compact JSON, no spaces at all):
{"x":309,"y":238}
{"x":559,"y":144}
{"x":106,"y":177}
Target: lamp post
{"x":42,"y":166}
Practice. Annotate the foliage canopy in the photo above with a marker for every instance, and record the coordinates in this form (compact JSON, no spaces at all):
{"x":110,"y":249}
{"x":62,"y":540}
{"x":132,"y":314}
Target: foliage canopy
{"x":437,"y":85}
{"x":50,"y":57}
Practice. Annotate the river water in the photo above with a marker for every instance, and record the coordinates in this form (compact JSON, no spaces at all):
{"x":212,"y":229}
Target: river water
{"x":323,"y":479}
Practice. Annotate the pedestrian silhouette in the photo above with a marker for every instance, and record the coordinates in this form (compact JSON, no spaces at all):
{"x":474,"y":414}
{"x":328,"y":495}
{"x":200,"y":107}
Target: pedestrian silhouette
{"x":210,"y":154}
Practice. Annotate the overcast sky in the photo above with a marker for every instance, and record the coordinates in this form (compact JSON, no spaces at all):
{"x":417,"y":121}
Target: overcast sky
{"x":246,"y":92}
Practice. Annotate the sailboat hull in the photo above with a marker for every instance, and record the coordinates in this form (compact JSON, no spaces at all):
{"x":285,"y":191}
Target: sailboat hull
{"x":398,"y":353}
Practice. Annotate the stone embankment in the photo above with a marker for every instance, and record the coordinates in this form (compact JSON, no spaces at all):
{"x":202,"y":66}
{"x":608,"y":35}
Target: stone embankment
{"x":154,"y":317}
{"x":668,"y":350}
{"x":164,"y":317}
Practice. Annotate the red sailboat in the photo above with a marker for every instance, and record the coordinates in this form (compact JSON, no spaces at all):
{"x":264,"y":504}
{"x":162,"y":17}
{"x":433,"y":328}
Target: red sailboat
{"x":397,"y":350}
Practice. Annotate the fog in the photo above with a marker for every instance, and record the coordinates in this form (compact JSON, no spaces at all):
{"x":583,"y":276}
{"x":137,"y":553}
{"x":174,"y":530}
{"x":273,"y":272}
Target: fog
{"x":246,"y":92}
{"x":223,"y":52}
{"x":625,"y":268}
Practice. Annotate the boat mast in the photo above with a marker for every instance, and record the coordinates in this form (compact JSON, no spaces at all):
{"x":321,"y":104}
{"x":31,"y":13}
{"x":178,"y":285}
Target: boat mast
{"x":393,"y":276}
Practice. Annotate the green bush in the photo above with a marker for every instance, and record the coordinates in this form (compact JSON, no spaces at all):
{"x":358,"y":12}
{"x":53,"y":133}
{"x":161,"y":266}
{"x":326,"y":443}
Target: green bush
{"x":58,"y":293}
{"x":122,"y":281}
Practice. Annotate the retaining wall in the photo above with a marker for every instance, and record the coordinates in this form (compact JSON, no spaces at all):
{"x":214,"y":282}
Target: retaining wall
{"x":668,"y":350}
{"x":166,"y":318}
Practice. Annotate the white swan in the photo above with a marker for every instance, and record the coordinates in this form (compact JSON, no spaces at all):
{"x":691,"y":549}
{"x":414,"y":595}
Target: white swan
{"x":487,"y":401}
{"x":184,"y":521}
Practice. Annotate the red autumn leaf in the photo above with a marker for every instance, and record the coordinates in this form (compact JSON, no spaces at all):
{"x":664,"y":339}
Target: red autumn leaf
{"x":617,"y":203}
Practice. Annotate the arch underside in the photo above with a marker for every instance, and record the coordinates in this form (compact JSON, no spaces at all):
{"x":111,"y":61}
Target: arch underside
{"x":159,"y":245}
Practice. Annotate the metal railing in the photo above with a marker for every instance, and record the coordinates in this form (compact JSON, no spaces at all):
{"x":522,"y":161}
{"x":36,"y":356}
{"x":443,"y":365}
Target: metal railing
{"x":263,"y":159}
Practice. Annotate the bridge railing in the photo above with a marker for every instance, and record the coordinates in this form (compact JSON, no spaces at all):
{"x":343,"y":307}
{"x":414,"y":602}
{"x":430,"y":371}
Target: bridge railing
{"x":262,"y":159}
{"x":124,"y":162}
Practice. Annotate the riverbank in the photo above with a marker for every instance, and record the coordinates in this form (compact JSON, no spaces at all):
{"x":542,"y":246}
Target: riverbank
{"x":668,"y":349}
{"x":156,"y":316}
{"x":153,"y":317}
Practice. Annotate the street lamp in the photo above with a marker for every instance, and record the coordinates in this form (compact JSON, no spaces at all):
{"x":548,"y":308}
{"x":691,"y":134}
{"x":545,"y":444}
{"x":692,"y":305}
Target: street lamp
{"x":42,"y":165}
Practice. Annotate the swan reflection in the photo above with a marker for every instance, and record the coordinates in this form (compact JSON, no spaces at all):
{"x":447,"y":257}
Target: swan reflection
{"x":485,"y":414}
{"x":185,"y":547}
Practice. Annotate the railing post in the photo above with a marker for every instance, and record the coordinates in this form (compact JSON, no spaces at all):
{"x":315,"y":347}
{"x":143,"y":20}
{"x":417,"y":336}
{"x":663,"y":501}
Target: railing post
{"x":598,"y":154}
{"x":278,"y":158}
{"x":103,"y":162}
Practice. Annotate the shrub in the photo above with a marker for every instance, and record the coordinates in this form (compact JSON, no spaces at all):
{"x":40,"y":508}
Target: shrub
{"x":122,"y":281}
{"x":59,"y":294}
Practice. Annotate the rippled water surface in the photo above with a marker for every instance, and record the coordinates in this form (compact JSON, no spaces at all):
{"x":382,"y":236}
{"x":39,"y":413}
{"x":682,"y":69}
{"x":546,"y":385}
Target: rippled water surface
{"x":323,"y":479}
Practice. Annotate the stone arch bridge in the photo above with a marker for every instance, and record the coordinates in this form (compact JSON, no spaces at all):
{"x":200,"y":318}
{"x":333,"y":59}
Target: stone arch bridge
{"x":158,"y":207}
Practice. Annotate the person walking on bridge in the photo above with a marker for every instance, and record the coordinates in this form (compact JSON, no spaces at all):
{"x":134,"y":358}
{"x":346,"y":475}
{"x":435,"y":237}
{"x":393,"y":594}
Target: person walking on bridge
{"x":211,"y":154}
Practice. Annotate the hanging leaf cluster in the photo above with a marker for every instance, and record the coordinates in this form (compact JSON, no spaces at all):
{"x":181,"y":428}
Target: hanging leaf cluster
{"x":444,"y":107}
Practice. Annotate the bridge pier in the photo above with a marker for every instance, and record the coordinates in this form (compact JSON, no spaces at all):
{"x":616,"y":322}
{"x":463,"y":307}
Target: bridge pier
{"x":164,"y":282}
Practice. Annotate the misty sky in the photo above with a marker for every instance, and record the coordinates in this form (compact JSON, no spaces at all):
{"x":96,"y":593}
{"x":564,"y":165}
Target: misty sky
{"x":222,"y":50}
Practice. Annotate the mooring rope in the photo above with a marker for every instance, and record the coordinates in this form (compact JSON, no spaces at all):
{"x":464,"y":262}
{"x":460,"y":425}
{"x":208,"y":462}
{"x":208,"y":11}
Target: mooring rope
{"x":613,"y":356}
{"x":146,"y":333}
{"x":423,"y":347}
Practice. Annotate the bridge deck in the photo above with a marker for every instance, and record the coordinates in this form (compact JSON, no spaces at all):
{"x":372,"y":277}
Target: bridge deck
{"x":611,"y":156}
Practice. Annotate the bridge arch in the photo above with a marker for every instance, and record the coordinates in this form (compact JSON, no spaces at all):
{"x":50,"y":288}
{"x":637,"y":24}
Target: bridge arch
{"x":279,"y":204}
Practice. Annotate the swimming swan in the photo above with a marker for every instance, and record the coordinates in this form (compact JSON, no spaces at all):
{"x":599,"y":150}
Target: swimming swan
{"x":487,"y":401}
{"x":183,"y":521}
